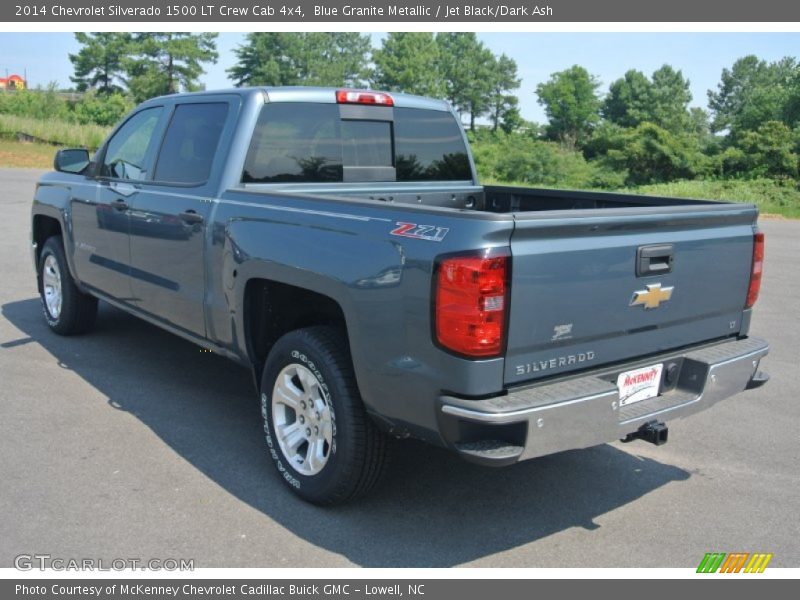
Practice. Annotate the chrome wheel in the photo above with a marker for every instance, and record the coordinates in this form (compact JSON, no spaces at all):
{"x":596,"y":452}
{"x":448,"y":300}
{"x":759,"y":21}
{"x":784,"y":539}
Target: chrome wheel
{"x":51,"y":286}
{"x":302,"y":419}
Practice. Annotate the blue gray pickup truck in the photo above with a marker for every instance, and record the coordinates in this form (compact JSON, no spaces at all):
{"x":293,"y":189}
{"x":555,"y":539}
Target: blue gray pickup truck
{"x":338,"y":244}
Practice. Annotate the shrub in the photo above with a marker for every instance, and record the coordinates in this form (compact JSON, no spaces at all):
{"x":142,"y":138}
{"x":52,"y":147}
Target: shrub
{"x":649,"y":154}
{"x":101,"y":110}
{"x":769,"y":151}
{"x":36,"y":103}
{"x":524,"y":159}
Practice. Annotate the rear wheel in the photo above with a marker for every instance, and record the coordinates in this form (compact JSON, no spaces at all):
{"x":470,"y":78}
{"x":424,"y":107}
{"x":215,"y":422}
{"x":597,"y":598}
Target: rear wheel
{"x":68,"y":311}
{"x":319,"y":436}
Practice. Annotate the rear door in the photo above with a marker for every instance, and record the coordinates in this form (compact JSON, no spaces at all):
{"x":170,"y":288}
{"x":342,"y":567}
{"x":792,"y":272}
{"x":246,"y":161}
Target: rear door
{"x":169,"y":215}
{"x":614,"y":285}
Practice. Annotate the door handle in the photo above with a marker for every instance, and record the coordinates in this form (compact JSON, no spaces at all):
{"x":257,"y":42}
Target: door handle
{"x":191,"y":216}
{"x":655,"y":260}
{"x":119,"y":204}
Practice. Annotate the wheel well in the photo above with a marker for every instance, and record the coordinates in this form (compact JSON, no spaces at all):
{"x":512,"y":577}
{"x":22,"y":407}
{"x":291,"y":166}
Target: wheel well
{"x":272,"y":309}
{"x":43,"y":228}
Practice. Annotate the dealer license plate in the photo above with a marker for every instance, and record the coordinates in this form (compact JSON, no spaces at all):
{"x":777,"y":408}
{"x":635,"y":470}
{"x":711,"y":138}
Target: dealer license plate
{"x":639,"y":384}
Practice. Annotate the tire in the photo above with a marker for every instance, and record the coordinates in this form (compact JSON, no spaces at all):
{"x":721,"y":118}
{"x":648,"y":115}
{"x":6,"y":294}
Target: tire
{"x":327,"y":451}
{"x":67,"y":310}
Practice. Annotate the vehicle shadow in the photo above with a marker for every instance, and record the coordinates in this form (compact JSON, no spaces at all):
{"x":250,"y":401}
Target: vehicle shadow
{"x":433,"y":509}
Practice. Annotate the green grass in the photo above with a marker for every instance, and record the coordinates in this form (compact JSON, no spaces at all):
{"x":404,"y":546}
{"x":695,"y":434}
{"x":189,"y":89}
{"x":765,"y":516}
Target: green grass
{"x":28,"y":155}
{"x":60,"y":133}
{"x":771,"y":196}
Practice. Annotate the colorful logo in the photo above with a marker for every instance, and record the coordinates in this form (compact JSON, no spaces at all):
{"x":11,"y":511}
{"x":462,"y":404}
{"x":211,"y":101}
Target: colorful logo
{"x":735,"y":562}
{"x":652,"y":296}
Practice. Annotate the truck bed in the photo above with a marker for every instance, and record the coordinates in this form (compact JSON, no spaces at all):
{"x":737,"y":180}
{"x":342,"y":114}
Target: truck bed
{"x":504,"y":199}
{"x":497,"y":198}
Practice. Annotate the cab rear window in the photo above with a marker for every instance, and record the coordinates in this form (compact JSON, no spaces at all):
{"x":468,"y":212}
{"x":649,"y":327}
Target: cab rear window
{"x":313,"y":143}
{"x":429,"y":146}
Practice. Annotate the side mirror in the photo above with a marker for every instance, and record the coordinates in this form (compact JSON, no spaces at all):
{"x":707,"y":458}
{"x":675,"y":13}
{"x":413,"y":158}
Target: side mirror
{"x":71,"y":160}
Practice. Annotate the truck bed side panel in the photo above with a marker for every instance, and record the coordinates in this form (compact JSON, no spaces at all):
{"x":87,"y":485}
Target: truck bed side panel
{"x":381,"y":281}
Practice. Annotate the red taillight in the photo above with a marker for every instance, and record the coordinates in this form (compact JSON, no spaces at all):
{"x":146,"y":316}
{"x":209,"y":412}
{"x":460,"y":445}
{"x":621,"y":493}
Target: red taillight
{"x":471,"y":301}
{"x":362,"y":97}
{"x":758,"y":267}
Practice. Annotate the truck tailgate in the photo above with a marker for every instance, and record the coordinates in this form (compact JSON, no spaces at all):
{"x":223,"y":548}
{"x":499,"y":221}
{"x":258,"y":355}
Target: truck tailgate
{"x":578,"y":300}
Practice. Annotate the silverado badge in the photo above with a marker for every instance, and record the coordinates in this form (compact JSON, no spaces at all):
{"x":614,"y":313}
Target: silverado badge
{"x":652,"y":296}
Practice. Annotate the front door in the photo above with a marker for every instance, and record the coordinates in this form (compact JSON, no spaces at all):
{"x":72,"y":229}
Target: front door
{"x":100,"y":207}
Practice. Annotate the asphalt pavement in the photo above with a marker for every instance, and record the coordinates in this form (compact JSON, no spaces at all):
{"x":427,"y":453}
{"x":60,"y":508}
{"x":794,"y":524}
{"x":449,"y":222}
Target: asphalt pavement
{"x":132,"y":443}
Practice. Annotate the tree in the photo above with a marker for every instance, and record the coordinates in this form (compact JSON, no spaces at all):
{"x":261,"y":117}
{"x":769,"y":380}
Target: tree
{"x":698,"y":121}
{"x":504,"y":105}
{"x":648,"y":153}
{"x":266,"y":59}
{"x":510,"y":118}
{"x":340,"y":58}
{"x":318,"y":58}
{"x":628,"y":100}
{"x":98,"y":64}
{"x":670,"y":97}
{"x":409,"y":62}
{"x":769,"y":151}
{"x":469,"y":72}
{"x":663,"y":100}
{"x":166,"y":63}
{"x":753,"y":92}
{"x":571,"y":103}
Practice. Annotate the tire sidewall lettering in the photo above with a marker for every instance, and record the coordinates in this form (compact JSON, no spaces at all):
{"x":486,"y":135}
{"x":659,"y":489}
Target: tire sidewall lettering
{"x":273,"y":452}
{"x":284,"y":469}
{"x":309,"y":364}
{"x":53,"y":322}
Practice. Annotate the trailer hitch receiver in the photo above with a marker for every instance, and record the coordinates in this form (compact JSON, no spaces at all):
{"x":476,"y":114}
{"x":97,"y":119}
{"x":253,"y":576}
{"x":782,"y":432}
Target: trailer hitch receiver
{"x":654,"y":432}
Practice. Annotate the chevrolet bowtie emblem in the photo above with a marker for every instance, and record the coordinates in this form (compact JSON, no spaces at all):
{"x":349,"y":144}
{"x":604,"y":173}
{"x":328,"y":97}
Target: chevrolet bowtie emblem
{"x":652,"y":296}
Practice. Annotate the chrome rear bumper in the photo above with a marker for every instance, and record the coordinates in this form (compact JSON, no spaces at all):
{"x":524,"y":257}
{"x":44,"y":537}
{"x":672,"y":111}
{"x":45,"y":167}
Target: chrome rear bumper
{"x":585,"y":411}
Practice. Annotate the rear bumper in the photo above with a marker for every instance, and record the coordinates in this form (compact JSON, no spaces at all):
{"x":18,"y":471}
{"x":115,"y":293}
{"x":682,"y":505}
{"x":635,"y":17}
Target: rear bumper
{"x":584,"y":411}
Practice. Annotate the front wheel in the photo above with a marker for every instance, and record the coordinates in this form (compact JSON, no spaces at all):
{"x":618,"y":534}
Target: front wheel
{"x":319,"y":436}
{"x":68,"y":311}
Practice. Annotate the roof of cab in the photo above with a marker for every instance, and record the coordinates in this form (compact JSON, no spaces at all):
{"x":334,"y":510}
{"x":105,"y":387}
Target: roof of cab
{"x":320,"y":95}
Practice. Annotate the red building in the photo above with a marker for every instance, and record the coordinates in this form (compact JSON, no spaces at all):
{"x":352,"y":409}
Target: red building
{"x":12,"y":82}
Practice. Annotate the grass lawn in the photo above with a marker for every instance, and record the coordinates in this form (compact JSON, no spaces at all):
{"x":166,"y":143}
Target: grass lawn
{"x":29,"y":155}
{"x":54,"y":131}
{"x":772,"y":197}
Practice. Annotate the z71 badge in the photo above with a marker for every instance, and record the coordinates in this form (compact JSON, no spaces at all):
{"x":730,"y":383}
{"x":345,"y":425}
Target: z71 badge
{"x":430,"y":233}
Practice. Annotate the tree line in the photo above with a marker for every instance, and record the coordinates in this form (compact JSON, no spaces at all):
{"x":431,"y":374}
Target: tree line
{"x":644,"y":127}
{"x":143,"y":65}
{"x":641,"y":129}
{"x":456,"y":66}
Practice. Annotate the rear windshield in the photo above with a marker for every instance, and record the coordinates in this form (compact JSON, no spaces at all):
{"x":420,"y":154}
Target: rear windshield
{"x":313,"y":143}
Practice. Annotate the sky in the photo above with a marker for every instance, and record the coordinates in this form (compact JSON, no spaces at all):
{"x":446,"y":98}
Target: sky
{"x":700,"y":56}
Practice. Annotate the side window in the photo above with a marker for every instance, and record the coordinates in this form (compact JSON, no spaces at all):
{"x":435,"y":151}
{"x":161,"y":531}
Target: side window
{"x":127,"y":150}
{"x":190,"y":143}
{"x":295,"y":143}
